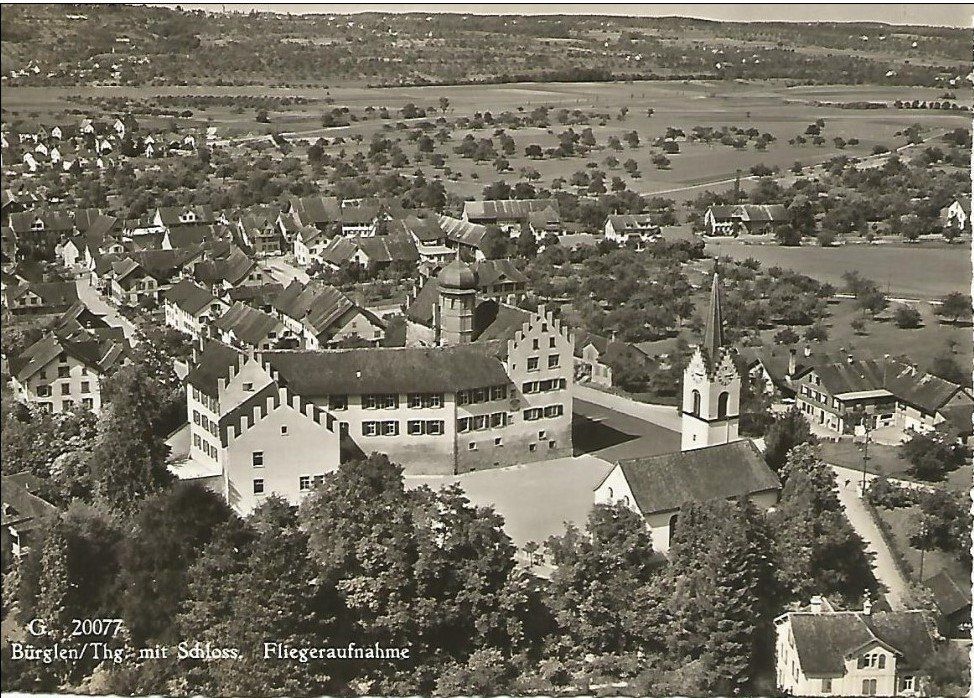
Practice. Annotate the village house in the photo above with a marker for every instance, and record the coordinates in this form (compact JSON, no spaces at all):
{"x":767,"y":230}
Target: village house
{"x":745,"y":219}
{"x":636,"y":230}
{"x":824,"y":652}
{"x":773,"y":370}
{"x":309,"y":245}
{"x":595,"y":356}
{"x":34,"y":297}
{"x":59,"y":375}
{"x":957,"y":214}
{"x":879,"y":393}
{"x":175,"y":216}
{"x":191,"y":308}
{"x":24,"y":515}
{"x":951,"y":592}
{"x":321,"y":316}
{"x":464,"y":236}
{"x":510,"y":214}
{"x":228,"y":268}
{"x":258,"y":230}
{"x":245,"y":327}
{"x":323,"y":213}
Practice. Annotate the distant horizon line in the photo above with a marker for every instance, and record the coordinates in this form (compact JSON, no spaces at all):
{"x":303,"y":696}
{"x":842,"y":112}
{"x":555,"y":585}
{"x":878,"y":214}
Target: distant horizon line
{"x":680,"y":11}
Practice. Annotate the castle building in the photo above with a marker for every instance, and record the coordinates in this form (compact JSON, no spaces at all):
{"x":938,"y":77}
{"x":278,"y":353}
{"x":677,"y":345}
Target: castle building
{"x":276,"y":421}
{"x":711,"y":386}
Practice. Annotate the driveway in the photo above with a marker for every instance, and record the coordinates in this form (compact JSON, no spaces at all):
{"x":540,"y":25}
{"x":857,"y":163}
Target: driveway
{"x":666,"y":416}
{"x":98,"y":305}
{"x":884,"y":565}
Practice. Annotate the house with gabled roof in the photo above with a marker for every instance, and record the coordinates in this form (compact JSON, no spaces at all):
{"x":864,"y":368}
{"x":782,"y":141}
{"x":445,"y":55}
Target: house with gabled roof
{"x":231,"y":269}
{"x":175,"y":216}
{"x":637,"y":229}
{"x":36,"y":297}
{"x":59,"y":375}
{"x":321,"y":316}
{"x":191,"y":308}
{"x":658,"y":487}
{"x":465,"y":236}
{"x":25,"y":514}
{"x":248,"y":328}
{"x":951,"y":592}
{"x":745,"y":219}
{"x":825,"y":652}
{"x":509,"y":214}
{"x":957,"y":214}
{"x":258,"y":230}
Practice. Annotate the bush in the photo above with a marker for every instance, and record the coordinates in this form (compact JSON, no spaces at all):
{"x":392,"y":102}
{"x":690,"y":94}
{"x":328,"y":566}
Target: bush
{"x":906,"y":317}
{"x":882,"y":493}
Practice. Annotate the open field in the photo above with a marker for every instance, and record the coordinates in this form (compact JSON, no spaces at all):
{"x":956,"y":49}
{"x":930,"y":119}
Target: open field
{"x":886,"y":460}
{"x":902,"y":271}
{"x":900,"y":523}
{"x":768,"y":106}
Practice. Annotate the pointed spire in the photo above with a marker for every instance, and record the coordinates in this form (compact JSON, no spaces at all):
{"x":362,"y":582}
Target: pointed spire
{"x":713,"y":338}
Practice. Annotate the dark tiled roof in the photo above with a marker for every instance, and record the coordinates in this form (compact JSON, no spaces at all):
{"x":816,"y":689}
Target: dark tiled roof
{"x":384,"y":249}
{"x":757,"y":213}
{"x":56,"y":293}
{"x":950,"y":593}
{"x":316,"y":210}
{"x":823,"y":640}
{"x":490,"y":271}
{"x":214,"y":363}
{"x":54,"y":222}
{"x":427,"y":229}
{"x":192,"y":235}
{"x":169,"y":215}
{"x":666,"y":482}
{"x":247,"y":324}
{"x":233,"y":268}
{"x":21,"y":507}
{"x":381,"y":370}
{"x":922,"y":390}
{"x":189,"y":296}
{"x":633,"y":222}
{"x":97,"y":355}
{"x":506,"y":209}
{"x":463,"y":232}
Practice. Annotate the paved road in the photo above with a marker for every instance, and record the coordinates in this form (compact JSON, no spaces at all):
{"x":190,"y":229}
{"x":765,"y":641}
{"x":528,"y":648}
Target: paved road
{"x":282,"y":271}
{"x":884,"y":565}
{"x":98,"y":305}
{"x":666,"y":416}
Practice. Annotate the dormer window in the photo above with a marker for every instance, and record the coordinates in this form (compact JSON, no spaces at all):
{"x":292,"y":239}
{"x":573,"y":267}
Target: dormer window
{"x":187,"y":217}
{"x":38,"y":224}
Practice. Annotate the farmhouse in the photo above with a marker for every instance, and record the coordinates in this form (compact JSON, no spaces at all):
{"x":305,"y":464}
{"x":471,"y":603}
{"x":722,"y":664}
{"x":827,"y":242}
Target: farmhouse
{"x":635,"y":229}
{"x":745,"y":219}
{"x":191,"y":308}
{"x":509,"y":214}
{"x":951,"y":593}
{"x":957,"y":214}
{"x":248,"y":328}
{"x":823,"y":652}
{"x":28,"y":297}
{"x":465,"y":236}
{"x":595,"y":356}
{"x":877,"y":393}
{"x":320,"y":316}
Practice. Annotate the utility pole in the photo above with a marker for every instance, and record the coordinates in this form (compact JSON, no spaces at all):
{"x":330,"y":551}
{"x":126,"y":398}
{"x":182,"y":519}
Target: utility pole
{"x":865,"y":451}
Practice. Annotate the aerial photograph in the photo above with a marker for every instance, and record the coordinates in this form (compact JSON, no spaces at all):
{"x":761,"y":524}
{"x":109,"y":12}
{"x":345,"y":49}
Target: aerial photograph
{"x":476,"y":350}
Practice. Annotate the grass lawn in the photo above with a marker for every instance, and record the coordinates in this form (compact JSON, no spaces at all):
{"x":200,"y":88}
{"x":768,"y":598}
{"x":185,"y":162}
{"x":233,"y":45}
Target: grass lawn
{"x":905,"y":271}
{"x":883,"y":460}
{"x":900,"y":523}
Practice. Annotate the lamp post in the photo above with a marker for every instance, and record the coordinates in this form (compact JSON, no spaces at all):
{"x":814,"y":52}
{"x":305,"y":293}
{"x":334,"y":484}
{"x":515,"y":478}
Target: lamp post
{"x":862,"y":429}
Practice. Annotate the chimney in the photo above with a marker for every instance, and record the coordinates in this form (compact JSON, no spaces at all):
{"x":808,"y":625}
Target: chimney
{"x":816,"y":604}
{"x":808,"y":352}
{"x":792,"y":361}
{"x":867,"y":606}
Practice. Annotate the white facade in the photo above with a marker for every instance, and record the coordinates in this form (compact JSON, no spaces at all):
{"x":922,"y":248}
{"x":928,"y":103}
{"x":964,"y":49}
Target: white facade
{"x":711,"y":402}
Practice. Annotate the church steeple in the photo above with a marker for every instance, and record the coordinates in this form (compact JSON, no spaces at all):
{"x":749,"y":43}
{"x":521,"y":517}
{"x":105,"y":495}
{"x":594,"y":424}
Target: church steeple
{"x":713,"y":338}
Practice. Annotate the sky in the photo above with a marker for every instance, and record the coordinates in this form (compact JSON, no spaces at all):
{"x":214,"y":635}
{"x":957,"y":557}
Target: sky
{"x":952,"y":15}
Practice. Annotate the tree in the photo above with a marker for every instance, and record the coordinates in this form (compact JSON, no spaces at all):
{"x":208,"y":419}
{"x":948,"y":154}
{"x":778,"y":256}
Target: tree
{"x":527,"y":244}
{"x":533,"y":151}
{"x":872,"y":301}
{"x":128,"y":460}
{"x":930,"y":456}
{"x":785,"y":432}
{"x":945,"y":366}
{"x":631,"y":166}
{"x":817,"y":550}
{"x":661,"y":161}
{"x":262,"y":117}
{"x":907,"y":317}
{"x":632,"y":139}
{"x":955,"y":305}
{"x":786,"y":336}
{"x":948,"y":671}
{"x":170,"y":530}
{"x":825,"y":238}
{"x":858,"y":325}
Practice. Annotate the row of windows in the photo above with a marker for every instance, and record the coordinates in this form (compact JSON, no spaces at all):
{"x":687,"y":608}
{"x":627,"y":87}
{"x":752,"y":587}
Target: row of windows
{"x":536,"y":344}
{"x":545,"y":386}
{"x":205,"y":446}
{"x":45,"y":390}
{"x":386,"y":428}
{"x":534,"y":362}
{"x":532,"y":447}
{"x":535,"y":413}
{"x":478,"y":395}
{"x":205,"y":422}
{"x":722,"y":402}
{"x":212,"y":404}
{"x":482,"y":421}
{"x":389,"y":402}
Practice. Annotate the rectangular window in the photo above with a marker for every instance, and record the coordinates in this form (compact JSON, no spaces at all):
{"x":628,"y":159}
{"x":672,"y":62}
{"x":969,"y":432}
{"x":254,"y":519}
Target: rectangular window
{"x":908,"y":683}
{"x":62,"y":359}
{"x":63,"y":371}
{"x":498,"y":441}
{"x":480,"y":422}
{"x":248,"y":387}
{"x":554,"y":411}
{"x":85,"y":386}
{"x":390,"y":428}
{"x":65,"y":388}
{"x":551,"y":342}
{"x":463,"y":424}
{"x":258,"y":486}
{"x":304,"y":483}
{"x":283,"y":431}
{"x":318,"y":480}
{"x":370,"y":428}
{"x":529,"y":387}
{"x":426,"y":400}
{"x":532,"y":414}
{"x":826,"y":685}
{"x":498,"y":392}
{"x":542,"y":435}
{"x":196,"y":417}
{"x":553,"y":360}
{"x":257,"y":458}
{"x":88,"y":402}
{"x":497,"y":419}
{"x":463,"y":397}
{"x":533,"y":363}
{"x":338,"y":402}
{"x":197,"y":441}
{"x":534,"y":344}
{"x":415,"y":427}
{"x":478,"y":395}
{"x":434,"y":427}
{"x":472,"y":446}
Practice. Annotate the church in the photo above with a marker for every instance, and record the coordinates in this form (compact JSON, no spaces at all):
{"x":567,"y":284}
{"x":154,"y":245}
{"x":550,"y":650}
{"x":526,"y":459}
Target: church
{"x":714,"y":462}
